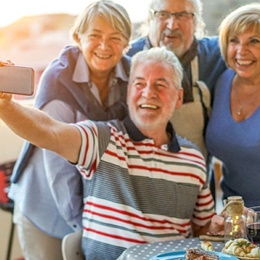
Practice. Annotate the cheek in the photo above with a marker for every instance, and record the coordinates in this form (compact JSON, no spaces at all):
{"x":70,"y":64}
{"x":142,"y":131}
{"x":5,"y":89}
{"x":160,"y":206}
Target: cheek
{"x":231,"y":52}
{"x":188,"y":32}
{"x":158,"y":27}
{"x":161,"y":27}
{"x":133,"y":96}
{"x":119,"y":48}
{"x":171,"y":99}
{"x":85,"y":48}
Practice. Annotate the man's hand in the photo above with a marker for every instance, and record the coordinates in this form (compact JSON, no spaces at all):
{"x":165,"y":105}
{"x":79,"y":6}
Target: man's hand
{"x":7,"y":62}
{"x":5,"y":97}
{"x":214,"y":227}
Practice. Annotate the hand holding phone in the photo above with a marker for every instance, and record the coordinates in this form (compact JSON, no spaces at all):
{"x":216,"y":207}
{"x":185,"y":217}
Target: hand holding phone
{"x":17,"y":80}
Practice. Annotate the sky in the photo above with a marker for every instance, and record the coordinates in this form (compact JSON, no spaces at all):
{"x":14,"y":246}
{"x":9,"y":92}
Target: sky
{"x":15,"y":9}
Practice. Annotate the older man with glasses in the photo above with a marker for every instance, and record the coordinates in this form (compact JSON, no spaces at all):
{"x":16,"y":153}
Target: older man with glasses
{"x":178,"y":25}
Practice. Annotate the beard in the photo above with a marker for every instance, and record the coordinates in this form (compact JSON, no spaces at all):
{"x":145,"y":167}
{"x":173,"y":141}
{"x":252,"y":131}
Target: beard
{"x":172,"y":40}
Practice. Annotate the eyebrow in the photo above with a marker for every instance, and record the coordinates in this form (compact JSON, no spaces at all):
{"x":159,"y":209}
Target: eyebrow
{"x":100,"y":31}
{"x":158,"y":79}
{"x":162,"y":79}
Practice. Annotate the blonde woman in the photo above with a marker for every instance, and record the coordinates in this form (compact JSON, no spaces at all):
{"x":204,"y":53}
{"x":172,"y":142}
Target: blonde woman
{"x":233,"y":133}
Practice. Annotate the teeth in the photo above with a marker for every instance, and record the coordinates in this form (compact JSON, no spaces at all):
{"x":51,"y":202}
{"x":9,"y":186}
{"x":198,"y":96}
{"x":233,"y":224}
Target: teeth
{"x":149,"y":106}
{"x":244,"y":62}
{"x":103,"y":56}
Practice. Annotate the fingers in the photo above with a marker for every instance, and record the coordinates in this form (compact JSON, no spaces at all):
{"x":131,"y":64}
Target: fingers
{"x":217,"y":225}
{"x":219,"y":220}
{"x":5,"y":96}
{"x":7,"y":62}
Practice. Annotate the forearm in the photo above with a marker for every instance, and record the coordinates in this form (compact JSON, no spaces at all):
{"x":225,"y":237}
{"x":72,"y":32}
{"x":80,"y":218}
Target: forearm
{"x":40,"y":129}
{"x":27,"y":122}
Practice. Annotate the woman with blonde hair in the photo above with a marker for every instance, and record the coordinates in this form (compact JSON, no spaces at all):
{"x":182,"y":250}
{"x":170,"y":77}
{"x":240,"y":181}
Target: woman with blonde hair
{"x":233,"y":133}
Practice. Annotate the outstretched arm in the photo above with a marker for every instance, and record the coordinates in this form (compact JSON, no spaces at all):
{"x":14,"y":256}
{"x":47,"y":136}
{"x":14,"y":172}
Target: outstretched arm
{"x":40,"y":129}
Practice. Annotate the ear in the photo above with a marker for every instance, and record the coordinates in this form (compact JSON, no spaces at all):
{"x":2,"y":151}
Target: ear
{"x":180,"y":98}
{"x":76,"y":39}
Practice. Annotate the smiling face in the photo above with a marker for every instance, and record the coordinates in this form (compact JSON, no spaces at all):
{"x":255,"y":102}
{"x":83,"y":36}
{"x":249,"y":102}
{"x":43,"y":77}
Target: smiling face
{"x":152,"y":96}
{"x":175,"y":34}
{"x":102,"y":46}
{"x":243,"y":53}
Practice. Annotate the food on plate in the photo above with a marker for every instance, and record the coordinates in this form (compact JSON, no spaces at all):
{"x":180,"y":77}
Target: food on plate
{"x":197,"y":254}
{"x":207,"y":245}
{"x":241,"y":247}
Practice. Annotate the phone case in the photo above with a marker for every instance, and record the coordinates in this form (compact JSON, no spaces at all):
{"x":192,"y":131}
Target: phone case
{"x":17,"y":80}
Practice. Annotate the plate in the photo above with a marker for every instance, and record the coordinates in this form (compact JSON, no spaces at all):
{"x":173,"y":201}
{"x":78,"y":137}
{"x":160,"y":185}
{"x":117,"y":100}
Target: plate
{"x":241,"y":257}
{"x":180,"y":256}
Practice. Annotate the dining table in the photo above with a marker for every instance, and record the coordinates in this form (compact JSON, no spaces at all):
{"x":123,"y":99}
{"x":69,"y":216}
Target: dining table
{"x":151,"y":250}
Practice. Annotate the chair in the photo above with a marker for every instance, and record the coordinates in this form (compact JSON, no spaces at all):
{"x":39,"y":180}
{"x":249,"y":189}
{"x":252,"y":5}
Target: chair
{"x":5,"y":203}
{"x":71,"y":246}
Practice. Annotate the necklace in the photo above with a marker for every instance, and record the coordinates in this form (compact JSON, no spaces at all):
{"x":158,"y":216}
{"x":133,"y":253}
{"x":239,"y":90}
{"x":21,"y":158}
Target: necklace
{"x":245,"y":99}
{"x":240,"y":109}
{"x":239,"y":112}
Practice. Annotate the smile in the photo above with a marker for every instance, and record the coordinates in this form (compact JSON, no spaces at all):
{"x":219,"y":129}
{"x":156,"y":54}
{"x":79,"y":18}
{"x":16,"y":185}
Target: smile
{"x":244,"y":62}
{"x":103,"y":56}
{"x":149,"y":106}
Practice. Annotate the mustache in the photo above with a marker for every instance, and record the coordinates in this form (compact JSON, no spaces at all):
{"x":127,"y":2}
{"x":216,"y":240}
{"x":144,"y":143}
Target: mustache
{"x":172,"y":33}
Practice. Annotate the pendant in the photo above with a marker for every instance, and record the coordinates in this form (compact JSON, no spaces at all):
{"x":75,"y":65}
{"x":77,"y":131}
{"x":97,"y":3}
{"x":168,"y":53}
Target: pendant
{"x":239,"y":112}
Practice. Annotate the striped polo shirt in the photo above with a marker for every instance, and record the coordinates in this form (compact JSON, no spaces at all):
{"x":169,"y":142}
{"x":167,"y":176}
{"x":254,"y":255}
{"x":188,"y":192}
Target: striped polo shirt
{"x":136,"y":192}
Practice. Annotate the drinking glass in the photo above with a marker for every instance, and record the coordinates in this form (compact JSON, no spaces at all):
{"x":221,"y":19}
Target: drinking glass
{"x":253,"y":225}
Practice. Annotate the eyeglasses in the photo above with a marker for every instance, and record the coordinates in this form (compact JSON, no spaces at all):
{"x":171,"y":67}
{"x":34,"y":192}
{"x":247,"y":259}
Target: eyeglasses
{"x":165,"y":15}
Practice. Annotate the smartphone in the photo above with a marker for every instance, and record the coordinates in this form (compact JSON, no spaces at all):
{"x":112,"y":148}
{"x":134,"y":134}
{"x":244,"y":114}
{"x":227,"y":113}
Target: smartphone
{"x":17,"y":80}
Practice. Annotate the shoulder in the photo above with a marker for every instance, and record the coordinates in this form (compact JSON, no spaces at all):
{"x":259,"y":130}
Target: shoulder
{"x":184,"y":142}
{"x":191,"y":153}
{"x":138,"y":41}
{"x":66,"y":60}
{"x":209,"y":45}
{"x":187,"y":144}
{"x":68,"y":56}
{"x":211,"y":63}
{"x":136,"y":45}
{"x":102,"y":126}
{"x":226,"y":77}
{"x":57,"y":76}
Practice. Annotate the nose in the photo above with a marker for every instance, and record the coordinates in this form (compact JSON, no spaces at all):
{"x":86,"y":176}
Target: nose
{"x":149,"y":92}
{"x":172,"y":22}
{"x":104,"y":43}
{"x":242,"y":47}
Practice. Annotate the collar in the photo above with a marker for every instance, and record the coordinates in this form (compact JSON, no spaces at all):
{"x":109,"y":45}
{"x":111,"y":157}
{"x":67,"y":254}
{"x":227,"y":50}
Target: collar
{"x":81,"y":71}
{"x":147,"y":43}
{"x":190,"y":54}
{"x":137,"y":136}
